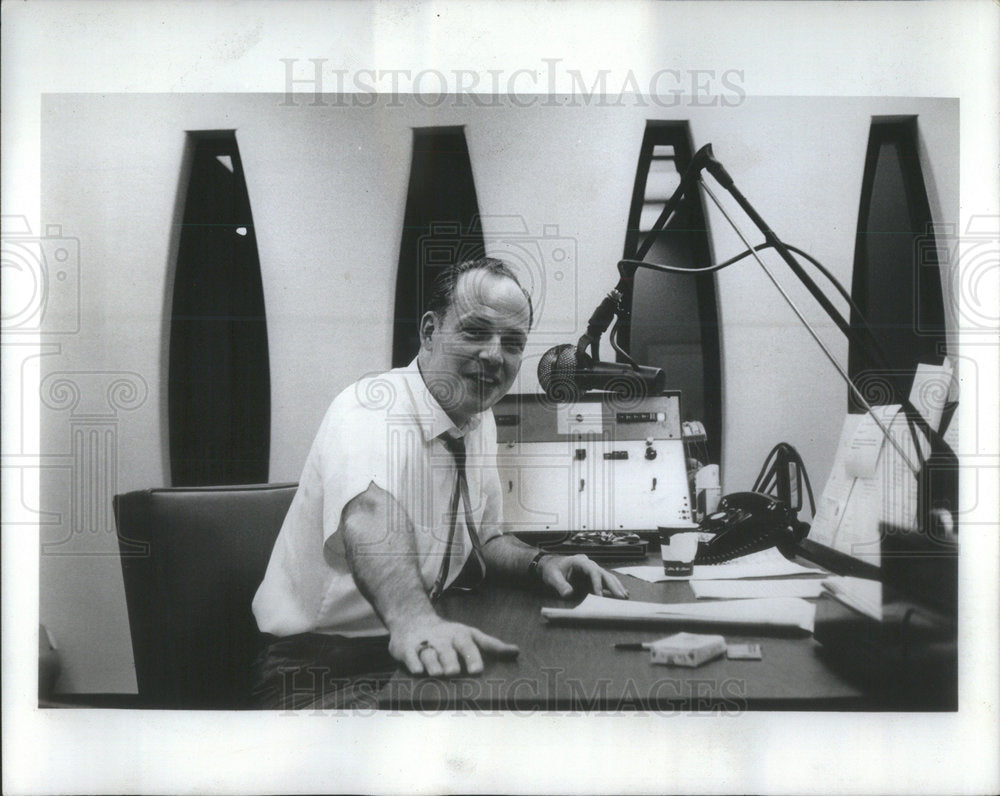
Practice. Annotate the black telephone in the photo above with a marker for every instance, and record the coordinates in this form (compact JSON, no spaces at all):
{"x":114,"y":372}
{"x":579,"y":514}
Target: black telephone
{"x":748,"y":522}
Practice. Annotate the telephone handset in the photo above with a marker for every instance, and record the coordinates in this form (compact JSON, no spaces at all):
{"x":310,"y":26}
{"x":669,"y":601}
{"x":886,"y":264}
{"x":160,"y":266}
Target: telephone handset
{"x":748,"y":522}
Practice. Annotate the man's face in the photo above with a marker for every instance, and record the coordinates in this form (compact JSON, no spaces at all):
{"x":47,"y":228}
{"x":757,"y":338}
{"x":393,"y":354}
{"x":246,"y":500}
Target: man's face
{"x":470,"y":356}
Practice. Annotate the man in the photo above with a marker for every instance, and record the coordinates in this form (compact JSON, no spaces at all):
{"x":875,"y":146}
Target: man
{"x":399,"y":491}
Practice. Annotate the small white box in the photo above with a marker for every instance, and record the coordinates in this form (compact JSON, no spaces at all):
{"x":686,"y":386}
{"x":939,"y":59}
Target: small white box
{"x":686,"y":649}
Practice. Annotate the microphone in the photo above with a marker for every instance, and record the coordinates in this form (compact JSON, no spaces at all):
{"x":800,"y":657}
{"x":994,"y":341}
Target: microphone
{"x":566,"y":373}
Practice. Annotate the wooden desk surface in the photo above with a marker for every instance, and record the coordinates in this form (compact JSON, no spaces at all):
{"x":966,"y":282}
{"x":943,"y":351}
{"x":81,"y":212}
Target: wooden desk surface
{"x":576,"y":668}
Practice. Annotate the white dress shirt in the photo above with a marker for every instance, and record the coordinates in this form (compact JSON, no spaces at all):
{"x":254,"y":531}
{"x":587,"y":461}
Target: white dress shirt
{"x":382,"y":430}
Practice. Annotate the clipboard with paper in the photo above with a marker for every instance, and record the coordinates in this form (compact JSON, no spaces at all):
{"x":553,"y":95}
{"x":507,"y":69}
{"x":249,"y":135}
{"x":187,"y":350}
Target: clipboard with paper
{"x":871,"y":485}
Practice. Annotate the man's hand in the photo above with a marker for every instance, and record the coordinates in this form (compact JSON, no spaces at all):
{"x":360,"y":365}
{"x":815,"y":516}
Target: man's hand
{"x":438,"y":648}
{"x":556,"y":572}
{"x":382,"y":555}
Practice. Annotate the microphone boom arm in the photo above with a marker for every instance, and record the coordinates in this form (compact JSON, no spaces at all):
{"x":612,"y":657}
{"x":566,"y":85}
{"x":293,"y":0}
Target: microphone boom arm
{"x":829,"y":355}
{"x":622,"y":292}
{"x":941,"y":459}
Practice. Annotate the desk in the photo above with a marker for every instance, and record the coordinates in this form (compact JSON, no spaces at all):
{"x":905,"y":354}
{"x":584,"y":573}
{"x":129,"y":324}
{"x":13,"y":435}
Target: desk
{"x":576,"y":668}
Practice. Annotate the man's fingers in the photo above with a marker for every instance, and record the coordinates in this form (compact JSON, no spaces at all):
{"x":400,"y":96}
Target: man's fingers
{"x":596,"y":581}
{"x":412,"y":660}
{"x":615,"y":585}
{"x":470,"y":654}
{"x":449,"y":660}
{"x":429,"y":658}
{"x":558,"y":582}
{"x":494,"y":645}
{"x":449,"y":649}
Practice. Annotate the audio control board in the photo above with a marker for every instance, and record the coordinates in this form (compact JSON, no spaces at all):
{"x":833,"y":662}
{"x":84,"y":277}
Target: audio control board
{"x":534,"y":418}
{"x":604,"y":463}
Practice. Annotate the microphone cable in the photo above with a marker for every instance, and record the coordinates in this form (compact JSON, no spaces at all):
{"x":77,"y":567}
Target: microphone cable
{"x":709,"y":269}
{"x":767,"y":478}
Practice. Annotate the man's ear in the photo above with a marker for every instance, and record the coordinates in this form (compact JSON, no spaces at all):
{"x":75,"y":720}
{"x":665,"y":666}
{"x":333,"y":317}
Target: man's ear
{"x":428,"y":325}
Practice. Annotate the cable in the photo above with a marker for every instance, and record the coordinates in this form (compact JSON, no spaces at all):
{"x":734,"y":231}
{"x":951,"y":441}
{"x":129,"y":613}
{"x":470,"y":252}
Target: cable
{"x":708,"y":269}
{"x":634,"y":264}
{"x":613,"y":339}
{"x":768,"y":475}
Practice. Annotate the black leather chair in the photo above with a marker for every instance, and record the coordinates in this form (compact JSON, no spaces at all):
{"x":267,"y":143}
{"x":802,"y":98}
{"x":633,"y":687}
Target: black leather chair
{"x":192,"y":559}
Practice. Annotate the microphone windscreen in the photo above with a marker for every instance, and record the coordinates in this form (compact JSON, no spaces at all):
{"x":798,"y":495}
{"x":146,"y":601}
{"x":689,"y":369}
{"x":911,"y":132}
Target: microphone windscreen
{"x":557,"y":370}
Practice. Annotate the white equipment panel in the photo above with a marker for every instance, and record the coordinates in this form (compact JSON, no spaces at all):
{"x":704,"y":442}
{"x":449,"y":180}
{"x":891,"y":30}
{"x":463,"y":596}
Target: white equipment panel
{"x":599,"y":464}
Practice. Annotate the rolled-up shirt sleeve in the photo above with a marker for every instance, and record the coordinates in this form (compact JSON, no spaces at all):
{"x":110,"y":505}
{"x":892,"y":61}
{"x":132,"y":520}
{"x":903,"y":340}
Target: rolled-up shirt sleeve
{"x":352,"y":455}
{"x":308,"y":585}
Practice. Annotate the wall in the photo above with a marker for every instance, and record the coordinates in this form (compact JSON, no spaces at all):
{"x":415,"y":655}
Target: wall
{"x":327,"y":188}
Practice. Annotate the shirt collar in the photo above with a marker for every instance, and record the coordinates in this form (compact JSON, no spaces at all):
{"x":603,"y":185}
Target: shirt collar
{"x":433,"y":420}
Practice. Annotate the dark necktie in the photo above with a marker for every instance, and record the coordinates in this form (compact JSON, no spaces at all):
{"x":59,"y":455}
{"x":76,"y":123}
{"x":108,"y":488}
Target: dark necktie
{"x":456,"y":446}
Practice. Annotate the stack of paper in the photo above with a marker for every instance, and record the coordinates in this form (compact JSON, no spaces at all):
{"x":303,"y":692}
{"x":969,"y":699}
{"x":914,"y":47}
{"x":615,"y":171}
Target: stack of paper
{"x":782,"y":612}
{"x":860,"y":594}
{"x":755,"y":589}
{"x":765,"y":564}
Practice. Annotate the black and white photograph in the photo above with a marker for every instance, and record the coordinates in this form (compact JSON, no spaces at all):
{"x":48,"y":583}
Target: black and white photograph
{"x":533,"y":397}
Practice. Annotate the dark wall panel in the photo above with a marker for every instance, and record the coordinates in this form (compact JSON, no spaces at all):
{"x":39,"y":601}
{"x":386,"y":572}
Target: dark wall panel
{"x":219,"y":373}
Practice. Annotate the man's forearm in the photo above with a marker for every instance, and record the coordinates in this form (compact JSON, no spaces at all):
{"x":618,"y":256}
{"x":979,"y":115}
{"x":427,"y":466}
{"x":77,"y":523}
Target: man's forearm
{"x":507,"y":555}
{"x":385,"y":568}
{"x":384,"y":562}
